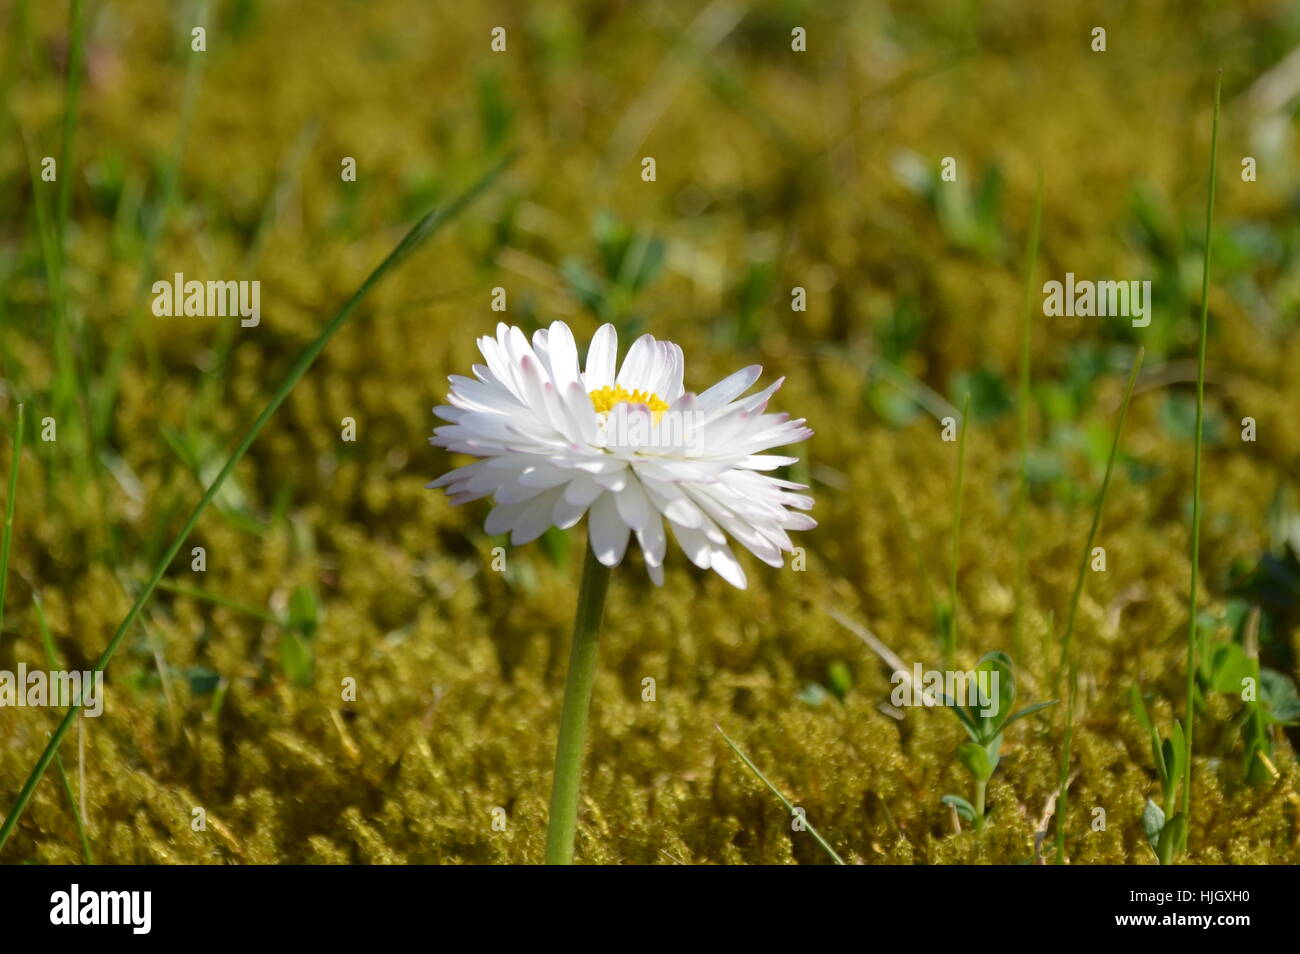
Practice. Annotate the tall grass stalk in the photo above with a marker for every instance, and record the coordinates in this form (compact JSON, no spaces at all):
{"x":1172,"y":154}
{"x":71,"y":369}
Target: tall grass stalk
{"x":14,"y":460}
{"x":1022,"y":482}
{"x":950,"y":650}
{"x":834,"y":855}
{"x":1196,"y":462}
{"x":78,"y":813}
{"x":71,"y":99}
{"x":115,"y":365}
{"x":1067,"y":656}
{"x":426,"y":226}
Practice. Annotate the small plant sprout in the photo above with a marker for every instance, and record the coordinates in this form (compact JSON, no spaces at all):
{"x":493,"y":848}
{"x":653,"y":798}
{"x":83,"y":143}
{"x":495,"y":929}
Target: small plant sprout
{"x":1164,"y":825}
{"x":1268,"y":697}
{"x":985,"y":719}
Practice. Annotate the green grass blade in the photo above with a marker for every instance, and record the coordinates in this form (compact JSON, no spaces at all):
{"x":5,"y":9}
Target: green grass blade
{"x":427,"y":225}
{"x":777,"y":792}
{"x":115,"y":364}
{"x":1067,"y":658}
{"x":216,"y":598}
{"x":46,"y":639}
{"x":52,"y":660}
{"x":71,"y":97}
{"x":14,"y":460}
{"x":1196,"y":463}
{"x":1022,"y":482}
{"x":950,"y":650}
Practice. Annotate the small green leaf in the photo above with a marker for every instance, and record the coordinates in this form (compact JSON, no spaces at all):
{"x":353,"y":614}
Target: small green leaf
{"x":304,"y":611}
{"x":839,"y":678}
{"x":1000,"y":663}
{"x":1029,"y":710}
{"x":296,"y":658}
{"x":1229,"y":666}
{"x":1153,"y":820}
{"x":1139,"y":708}
{"x":1179,"y":761}
{"x":1173,"y":758}
{"x":964,"y":808}
{"x":1278,"y":693}
{"x":976,"y":760}
{"x":1158,"y":756}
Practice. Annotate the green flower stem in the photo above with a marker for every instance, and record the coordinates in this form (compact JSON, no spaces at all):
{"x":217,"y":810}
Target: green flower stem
{"x":573,"y":718}
{"x":980,"y":788}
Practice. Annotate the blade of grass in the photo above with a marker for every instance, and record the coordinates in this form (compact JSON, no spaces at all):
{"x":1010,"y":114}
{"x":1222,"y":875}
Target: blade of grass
{"x":777,"y":792}
{"x":1067,"y":640}
{"x":81,"y":357}
{"x":950,"y":649}
{"x":52,"y":660}
{"x":1192,"y":662}
{"x":219,"y":600}
{"x":64,"y":380}
{"x":71,"y":97}
{"x":422,"y":229}
{"x":1022,"y":483}
{"x":14,"y":460}
{"x":115,"y":365}
{"x":46,"y":639}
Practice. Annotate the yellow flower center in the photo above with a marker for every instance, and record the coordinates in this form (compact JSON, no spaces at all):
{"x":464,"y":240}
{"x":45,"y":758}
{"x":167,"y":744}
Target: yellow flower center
{"x":604,"y":399}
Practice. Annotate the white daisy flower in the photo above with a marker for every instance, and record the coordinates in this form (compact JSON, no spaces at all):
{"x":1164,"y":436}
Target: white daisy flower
{"x":627,"y":445}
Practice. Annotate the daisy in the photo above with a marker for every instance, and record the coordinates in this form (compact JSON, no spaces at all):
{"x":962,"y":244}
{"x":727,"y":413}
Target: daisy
{"x":626,"y":446}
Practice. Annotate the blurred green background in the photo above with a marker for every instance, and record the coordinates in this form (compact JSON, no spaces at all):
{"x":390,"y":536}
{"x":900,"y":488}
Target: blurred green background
{"x":328,"y":560}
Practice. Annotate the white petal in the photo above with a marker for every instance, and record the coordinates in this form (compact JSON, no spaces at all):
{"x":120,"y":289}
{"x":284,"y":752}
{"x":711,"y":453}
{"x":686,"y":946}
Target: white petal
{"x":503,"y":517}
{"x":564,"y":355}
{"x":729,"y":388}
{"x":641,"y":365}
{"x":602,"y":357}
{"x":535,"y":518}
{"x":582,"y":490}
{"x":632,"y":504}
{"x":726,"y":566}
{"x":693,"y":543}
{"x":653,"y":541}
{"x":607,"y":532}
{"x":566,"y":514}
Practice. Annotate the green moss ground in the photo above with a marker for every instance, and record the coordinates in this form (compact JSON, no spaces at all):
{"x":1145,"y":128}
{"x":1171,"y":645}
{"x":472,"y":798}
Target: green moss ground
{"x":774,"y":169}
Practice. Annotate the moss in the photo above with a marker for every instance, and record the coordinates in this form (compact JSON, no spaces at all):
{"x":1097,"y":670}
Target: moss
{"x":458,"y":669}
